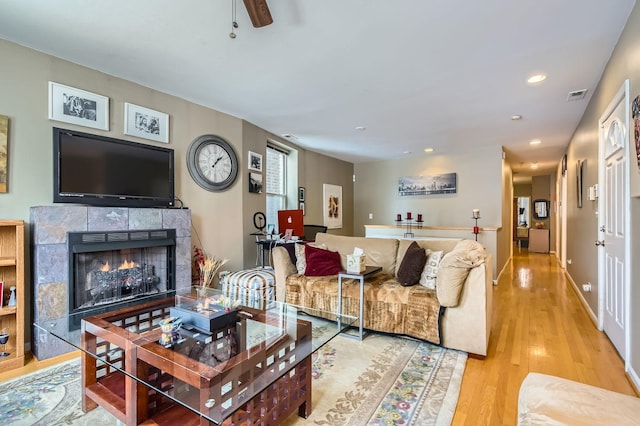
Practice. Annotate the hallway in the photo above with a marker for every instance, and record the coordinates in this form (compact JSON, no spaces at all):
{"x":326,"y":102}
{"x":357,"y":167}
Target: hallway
{"x":538,"y":325}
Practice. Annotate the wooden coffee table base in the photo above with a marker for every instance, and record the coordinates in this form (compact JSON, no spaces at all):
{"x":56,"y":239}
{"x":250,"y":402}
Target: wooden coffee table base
{"x":132,"y":402}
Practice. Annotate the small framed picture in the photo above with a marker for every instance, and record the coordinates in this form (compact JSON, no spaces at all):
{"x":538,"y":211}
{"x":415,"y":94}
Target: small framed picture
{"x":255,"y":161}
{"x":1,"y":294}
{"x":301,"y":193}
{"x":301,"y":207}
{"x":255,"y":183}
{"x":77,"y":106}
{"x":146,"y":123}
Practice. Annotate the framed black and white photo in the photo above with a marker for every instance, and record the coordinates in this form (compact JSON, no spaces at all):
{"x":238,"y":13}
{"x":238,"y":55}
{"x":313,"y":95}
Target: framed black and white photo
{"x":301,"y":207}
{"x":301,"y":193}
{"x":255,"y":161}
{"x":427,"y":185}
{"x":146,"y":123}
{"x":255,"y":183}
{"x":77,"y":106}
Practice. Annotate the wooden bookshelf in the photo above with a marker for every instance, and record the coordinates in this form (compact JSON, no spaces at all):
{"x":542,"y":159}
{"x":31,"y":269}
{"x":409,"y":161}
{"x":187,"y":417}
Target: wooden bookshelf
{"x":12,"y":275}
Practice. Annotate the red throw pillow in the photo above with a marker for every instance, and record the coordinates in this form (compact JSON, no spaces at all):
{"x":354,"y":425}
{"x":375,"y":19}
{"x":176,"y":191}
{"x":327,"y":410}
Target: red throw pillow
{"x":321,"y":262}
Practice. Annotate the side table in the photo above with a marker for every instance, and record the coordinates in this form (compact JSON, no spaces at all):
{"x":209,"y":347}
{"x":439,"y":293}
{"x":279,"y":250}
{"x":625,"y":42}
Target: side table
{"x":370,"y":270}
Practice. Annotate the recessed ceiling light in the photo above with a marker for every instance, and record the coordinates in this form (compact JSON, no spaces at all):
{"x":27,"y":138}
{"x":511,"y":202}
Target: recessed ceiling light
{"x":536,"y":78}
{"x":535,"y":142}
{"x":361,"y":128}
{"x":516,"y":117}
{"x":427,"y":150}
{"x":534,"y":165}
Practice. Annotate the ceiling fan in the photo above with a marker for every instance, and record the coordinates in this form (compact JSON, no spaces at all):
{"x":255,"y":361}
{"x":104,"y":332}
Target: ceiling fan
{"x":259,"y":13}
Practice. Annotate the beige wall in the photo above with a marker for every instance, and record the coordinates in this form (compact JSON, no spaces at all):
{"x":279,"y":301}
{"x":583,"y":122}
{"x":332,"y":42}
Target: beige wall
{"x":505,"y":234}
{"x":582,"y":223}
{"x":222,"y":221}
{"x":479,"y":185}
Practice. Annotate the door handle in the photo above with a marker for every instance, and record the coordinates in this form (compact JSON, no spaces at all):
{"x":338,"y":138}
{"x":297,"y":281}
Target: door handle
{"x":603,"y":229}
{"x":600,"y":243}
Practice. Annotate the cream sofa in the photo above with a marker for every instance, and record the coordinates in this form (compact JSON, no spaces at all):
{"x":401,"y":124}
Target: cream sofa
{"x":551,"y":400}
{"x":464,"y":321}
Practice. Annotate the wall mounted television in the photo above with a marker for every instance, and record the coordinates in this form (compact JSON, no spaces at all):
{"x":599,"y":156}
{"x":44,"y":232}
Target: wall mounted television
{"x":101,"y":171}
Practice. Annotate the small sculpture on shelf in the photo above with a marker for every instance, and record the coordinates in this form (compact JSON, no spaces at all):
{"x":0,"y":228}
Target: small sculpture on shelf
{"x":170,"y":335}
{"x":12,"y":298}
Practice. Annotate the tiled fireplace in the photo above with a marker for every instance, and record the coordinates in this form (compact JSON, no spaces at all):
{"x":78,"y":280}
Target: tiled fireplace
{"x":86,"y":258}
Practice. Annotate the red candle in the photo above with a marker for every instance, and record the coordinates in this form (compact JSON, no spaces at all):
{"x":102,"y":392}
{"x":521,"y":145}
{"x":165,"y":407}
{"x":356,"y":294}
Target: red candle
{"x":476,"y":230}
{"x":419,"y":217}
{"x":399,"y":217}
{"x":408,"y":215}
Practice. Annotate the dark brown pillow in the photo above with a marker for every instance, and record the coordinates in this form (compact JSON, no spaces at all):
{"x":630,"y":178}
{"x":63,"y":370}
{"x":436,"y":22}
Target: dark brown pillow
{"x":412,"y":265}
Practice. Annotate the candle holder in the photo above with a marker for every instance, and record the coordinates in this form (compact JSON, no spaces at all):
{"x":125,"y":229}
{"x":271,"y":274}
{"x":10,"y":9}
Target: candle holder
{"x":476,"y":230}
{"x":409,"y":223}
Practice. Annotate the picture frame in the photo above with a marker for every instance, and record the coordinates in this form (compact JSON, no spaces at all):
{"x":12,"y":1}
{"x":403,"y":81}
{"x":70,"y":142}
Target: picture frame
{"x":4,"y":152}
{"x":301,"y":193}
{"x":146,"y":123}
{"x":442,"y":184}
{"x":579,"y":170}
{"x":302,"y":207}
{"x":77,"y":106}
{"x":332,"y":206}
{"x":1,"y":294}
{"x":564,"y":164}
{"x":255,"y":183}
{"x":254,"y":161}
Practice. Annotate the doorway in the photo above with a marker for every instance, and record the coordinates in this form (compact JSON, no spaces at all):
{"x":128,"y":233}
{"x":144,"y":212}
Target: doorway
{"x":614,"y":222}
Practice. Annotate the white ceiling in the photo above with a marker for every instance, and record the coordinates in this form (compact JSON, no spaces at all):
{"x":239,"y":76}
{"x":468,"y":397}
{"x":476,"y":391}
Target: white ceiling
{"x":446,"y":74}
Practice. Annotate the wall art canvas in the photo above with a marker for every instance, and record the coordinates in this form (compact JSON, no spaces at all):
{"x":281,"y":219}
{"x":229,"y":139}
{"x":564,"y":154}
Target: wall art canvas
{"x":579,"y":170}
{"x":4,"y":152}
{"x":635,"y":115}
{"x":77,"y":106}
{"x":255,"y":183}
{"x":146,"y":123}
{"x":427,"y":185}
{"x":332,"y":206}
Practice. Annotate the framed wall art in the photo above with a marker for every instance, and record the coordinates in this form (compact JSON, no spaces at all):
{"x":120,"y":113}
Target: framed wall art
{"x":301,"y":194}
{"x":77,"y":106}
{"x":255,"y":183}
{"x":427,"y":185}
{"x":332,"y":206}
{"x":146,"y":123}
{"x":301,"y":207}
{"x":4,"y":151}
{"x":579,"y":170}
{"x":255,"y":161}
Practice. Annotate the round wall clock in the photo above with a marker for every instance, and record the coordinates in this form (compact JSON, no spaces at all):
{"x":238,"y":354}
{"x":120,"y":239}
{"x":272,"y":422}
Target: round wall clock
{"x":212,"y":163}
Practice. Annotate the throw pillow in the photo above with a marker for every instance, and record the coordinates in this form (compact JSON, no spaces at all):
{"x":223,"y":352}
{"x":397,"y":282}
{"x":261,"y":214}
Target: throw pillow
{"x":301,"y":260}
{"x":454,"y":270}
{"x":430,"y":271}
{"x":412,"y":265}
{"x":321,"y":262}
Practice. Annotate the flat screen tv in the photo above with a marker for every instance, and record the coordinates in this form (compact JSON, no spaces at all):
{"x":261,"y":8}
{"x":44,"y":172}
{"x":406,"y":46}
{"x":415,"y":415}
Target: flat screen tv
{"x":101,"y":171}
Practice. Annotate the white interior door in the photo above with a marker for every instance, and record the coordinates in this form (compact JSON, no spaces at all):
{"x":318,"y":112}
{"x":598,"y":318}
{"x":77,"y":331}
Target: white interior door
{"x":614,"y":224}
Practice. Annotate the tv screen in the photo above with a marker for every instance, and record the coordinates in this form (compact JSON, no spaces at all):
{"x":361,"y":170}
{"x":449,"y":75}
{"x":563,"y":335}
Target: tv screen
{"x":102,"y":171}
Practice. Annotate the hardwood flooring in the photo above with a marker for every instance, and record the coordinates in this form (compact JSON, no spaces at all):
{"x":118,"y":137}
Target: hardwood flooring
{"x":538,"y":325}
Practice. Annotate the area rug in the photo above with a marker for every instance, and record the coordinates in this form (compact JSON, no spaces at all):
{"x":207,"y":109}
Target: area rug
{"x":382,"y":380}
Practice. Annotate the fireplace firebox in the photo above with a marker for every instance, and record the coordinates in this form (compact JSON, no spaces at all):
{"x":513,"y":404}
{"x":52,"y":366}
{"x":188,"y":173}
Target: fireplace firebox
{"x":111,"y":270}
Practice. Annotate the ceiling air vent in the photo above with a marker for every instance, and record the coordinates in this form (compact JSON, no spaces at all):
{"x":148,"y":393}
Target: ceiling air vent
{"x":576,"y":95}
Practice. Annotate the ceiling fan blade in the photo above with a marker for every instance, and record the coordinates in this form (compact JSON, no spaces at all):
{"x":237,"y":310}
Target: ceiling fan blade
{"x":258,"y":12}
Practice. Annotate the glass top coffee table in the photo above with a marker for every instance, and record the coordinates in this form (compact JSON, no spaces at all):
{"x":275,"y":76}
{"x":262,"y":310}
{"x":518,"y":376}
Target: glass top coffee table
{"x":197,"y":358}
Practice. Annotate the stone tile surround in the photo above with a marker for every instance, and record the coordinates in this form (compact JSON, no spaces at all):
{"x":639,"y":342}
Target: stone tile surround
{"x":49,"y":257}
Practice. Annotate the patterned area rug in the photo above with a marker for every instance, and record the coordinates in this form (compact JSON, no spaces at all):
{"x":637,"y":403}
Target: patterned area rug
{"x":382,"y":380}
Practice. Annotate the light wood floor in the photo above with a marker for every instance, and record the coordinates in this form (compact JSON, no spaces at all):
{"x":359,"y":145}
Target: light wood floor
{"x":539,"y":325}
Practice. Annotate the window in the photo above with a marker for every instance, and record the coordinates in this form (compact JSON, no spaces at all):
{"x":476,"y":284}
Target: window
{"x":275,"y":187}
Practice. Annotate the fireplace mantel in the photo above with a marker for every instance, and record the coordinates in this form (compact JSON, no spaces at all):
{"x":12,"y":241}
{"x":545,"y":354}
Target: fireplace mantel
{"x":49,"y":257}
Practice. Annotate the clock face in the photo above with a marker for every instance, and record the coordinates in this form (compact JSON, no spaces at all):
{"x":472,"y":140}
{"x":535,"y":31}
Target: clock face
{"x":212,"y":163}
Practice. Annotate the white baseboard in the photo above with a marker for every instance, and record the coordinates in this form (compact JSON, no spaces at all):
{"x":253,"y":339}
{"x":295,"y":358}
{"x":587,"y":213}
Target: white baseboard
{"x":592,"y":315}
{"x":633,"y":376}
